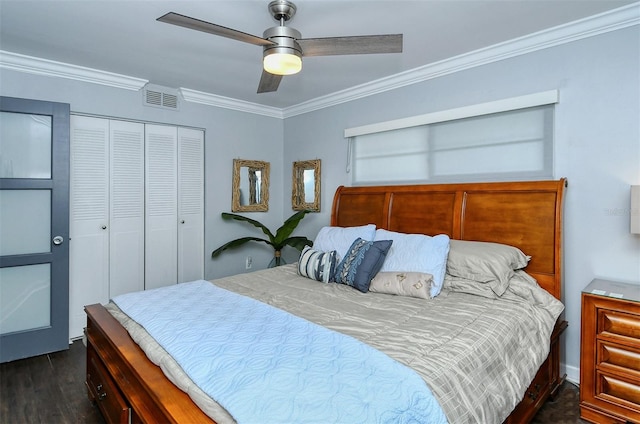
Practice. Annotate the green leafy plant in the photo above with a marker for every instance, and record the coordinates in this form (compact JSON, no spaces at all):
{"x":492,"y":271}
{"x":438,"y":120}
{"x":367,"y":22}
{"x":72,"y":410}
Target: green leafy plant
{"x":278,"y":241}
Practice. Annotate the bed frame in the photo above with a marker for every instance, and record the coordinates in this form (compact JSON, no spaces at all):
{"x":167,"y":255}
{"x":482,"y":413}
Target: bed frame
{"x":129,"y":388}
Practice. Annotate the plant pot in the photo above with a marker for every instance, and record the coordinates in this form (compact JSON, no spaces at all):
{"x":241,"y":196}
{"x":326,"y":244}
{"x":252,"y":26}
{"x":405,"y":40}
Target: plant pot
{"x":277,"y":260}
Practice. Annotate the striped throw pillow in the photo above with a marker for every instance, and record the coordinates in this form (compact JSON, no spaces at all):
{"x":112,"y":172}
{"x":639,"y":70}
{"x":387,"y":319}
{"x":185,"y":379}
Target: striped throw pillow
{"x":317,"y":265}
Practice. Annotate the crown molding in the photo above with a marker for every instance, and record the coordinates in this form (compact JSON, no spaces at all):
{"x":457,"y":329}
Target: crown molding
{"x":230,"y":103}
{"x":612,"y":20}
{"x":51,"y":68}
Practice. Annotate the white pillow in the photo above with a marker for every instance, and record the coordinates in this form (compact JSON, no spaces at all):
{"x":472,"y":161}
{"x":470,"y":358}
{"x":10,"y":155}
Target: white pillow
{"x":341,"y":238}
{"x":417,"y":253}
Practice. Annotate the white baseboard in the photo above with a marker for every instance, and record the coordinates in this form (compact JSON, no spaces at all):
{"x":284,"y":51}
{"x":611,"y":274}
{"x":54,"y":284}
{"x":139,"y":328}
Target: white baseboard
{"x":573,"y":373}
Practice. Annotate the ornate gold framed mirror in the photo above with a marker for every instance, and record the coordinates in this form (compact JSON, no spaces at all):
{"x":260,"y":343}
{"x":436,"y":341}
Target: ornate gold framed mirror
{"x":306,"y":185}
{"x":250,"y":191}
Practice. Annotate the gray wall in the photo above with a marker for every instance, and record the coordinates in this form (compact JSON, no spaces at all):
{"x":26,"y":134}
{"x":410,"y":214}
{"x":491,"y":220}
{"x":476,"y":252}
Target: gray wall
{"x":597,"y":147}
{"x":228,"y":135}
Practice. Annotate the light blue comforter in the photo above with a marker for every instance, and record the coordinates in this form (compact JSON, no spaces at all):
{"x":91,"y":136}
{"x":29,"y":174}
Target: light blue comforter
{"x":264,"y":365}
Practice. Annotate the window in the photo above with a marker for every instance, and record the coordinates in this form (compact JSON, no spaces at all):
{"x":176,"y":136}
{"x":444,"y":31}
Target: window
{"x":488,"y":142}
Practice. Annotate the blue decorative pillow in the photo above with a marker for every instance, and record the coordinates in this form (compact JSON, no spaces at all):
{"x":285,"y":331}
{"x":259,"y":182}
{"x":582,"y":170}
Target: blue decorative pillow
{"x":362,"y":262}
{"x":317,"y":265}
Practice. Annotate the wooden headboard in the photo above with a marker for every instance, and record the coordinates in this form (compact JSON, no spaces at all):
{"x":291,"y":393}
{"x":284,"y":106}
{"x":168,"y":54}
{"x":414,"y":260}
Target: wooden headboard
{"x":527,"y":215}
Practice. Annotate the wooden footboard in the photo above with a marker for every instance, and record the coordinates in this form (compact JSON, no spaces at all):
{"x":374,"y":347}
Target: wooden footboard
{"x":124,"y":383}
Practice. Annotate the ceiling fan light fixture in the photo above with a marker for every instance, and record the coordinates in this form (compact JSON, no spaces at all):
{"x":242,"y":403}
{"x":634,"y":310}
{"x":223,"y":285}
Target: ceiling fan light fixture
{"x":285,"y":56}
{"x":282,"y":63}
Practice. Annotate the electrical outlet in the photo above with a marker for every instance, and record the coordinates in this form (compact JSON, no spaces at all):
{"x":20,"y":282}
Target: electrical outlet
{"x":248,"y":262}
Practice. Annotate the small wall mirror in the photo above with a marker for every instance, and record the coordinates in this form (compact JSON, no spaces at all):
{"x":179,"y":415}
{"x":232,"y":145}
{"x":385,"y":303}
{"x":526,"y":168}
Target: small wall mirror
{"x":306,"y":185}
{"x":250,"y":192}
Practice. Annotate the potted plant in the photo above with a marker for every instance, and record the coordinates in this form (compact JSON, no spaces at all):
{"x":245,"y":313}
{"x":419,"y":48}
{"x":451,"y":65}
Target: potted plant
{"x":278,"y":241}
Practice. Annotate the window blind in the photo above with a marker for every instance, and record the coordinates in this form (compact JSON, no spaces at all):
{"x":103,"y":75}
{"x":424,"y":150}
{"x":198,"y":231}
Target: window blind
{"x":503,"y":145}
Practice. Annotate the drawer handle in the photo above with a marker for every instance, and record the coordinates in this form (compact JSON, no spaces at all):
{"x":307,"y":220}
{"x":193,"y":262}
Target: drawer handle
{"x":103,"y":395}
{"x":534,"y":395}
{"x":99,"y":387}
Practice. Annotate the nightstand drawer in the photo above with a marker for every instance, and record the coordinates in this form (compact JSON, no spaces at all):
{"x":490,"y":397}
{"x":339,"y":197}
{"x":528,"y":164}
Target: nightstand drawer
{"x":619,"y":358}
{"x":609,"y":386}
{"x":614,"y":323}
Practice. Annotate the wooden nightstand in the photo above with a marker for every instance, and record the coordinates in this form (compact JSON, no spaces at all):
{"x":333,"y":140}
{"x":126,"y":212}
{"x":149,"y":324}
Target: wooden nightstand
{"x":610,"y":353}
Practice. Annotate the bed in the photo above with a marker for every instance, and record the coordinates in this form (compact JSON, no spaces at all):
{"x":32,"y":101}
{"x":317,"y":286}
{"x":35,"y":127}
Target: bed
{"x":527,"y":215}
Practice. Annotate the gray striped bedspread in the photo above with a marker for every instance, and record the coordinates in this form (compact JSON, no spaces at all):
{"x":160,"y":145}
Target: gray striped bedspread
{"x":477,"y":354}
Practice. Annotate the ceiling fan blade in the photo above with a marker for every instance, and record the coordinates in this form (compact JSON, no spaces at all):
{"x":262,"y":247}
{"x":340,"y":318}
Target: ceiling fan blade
{"x":204,"y":26}
{"x":360,"y":44}
{"x":268,"y":82}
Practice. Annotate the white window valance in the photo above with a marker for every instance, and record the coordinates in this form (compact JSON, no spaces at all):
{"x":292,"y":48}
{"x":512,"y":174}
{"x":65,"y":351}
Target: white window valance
{"x":513,"y":103}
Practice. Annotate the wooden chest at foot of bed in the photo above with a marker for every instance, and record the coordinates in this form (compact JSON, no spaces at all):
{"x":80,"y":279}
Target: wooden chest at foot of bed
{"x":104,"y":391}
{"x":136,"y":383}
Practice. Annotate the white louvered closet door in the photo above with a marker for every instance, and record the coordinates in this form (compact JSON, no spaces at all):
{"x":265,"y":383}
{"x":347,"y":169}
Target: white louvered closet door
{"x":161,"y":206}
{"x":89,"y":218}
{"x":190,"y":204}
{"x":137,"y":210}
{"x":126,"y":208}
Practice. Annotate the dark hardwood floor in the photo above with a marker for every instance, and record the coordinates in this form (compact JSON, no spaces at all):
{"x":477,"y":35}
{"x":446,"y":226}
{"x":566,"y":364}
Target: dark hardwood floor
{"x":49,"y":389}
{"x":564,"y":409}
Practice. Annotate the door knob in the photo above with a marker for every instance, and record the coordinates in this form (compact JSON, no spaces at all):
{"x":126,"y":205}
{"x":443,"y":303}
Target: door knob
{"x":58,"y":240}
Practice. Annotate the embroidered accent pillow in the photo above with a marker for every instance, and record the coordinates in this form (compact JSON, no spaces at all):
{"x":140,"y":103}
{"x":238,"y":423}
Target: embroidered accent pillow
{"x":362,"y":262}
{"x":411,"y":284}
{"x":417,"y":253}
{"x":317,"y":265}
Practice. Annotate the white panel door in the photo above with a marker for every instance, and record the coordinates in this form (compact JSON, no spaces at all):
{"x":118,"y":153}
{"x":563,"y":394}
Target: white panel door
{"x":190,"y":204}
{"x":161,"y":210}
{"x":89,"y":218}
{"x":126,"y":208}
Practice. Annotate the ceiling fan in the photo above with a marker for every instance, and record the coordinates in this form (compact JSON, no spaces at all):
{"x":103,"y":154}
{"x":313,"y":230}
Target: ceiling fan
{"x":283,"y":47}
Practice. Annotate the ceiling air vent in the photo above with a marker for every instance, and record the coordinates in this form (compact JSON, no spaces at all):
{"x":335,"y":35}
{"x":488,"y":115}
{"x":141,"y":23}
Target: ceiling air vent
{"x":162,"y":97}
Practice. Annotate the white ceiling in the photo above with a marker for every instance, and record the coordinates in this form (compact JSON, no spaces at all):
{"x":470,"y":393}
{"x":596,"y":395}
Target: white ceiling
{"x":124,"y":37}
